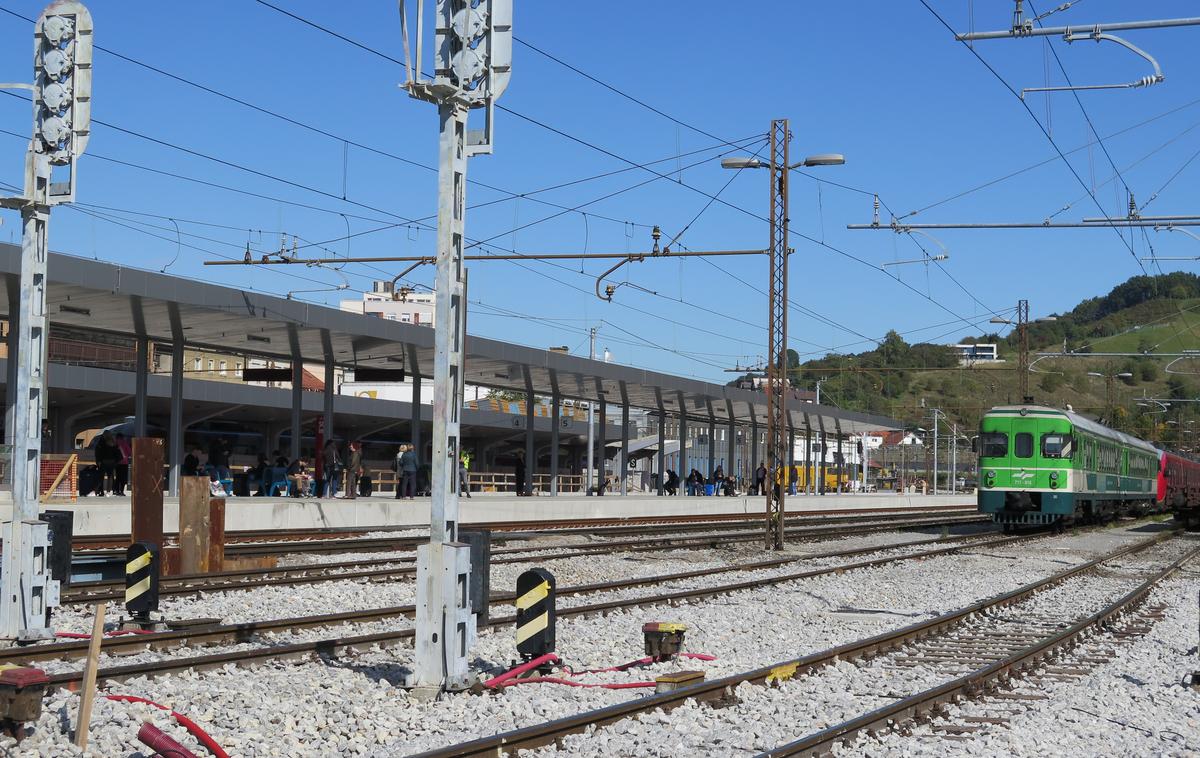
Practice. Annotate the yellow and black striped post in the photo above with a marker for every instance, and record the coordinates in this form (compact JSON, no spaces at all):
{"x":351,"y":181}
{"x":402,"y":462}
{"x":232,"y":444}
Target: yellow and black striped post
{"x":535,"y":613}
{"x":141,"y":579}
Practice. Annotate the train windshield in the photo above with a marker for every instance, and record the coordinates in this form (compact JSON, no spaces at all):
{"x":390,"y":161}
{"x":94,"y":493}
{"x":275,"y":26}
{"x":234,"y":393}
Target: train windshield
{"x":993,"y":445}
{"x":1023,"y":445}
{"x":1057,"y":445}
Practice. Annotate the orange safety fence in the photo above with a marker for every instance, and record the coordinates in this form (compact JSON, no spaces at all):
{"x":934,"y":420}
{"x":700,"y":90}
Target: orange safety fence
{"x":68,"y":484}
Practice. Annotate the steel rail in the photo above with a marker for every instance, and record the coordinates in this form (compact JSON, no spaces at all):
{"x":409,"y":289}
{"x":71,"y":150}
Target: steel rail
{"x":386,"y":544}
{"x":972,"y":685}
{"x":545,"y":734}
{"x":233,"y":633}
{"x":191,"y":584}
{"x":513,"y":530}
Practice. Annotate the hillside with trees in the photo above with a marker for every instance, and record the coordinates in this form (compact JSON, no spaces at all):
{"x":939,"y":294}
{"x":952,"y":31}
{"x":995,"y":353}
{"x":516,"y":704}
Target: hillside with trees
{"x":1142,"y":318}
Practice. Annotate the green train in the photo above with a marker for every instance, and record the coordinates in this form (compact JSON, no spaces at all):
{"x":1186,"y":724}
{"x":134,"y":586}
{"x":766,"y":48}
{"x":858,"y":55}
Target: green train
{"x":1040,"y":465}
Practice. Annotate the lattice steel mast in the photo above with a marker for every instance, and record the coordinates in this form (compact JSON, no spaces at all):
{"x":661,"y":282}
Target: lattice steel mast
{"x":777,"y":366}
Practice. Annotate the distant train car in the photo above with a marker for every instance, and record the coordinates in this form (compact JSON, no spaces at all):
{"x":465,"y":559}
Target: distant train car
{"x":1179,"y":487}
{"x":1041,"y":465}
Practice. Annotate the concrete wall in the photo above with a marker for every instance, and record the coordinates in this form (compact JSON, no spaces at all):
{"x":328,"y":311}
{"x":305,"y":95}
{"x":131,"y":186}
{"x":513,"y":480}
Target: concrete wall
{"x":113,"y":517}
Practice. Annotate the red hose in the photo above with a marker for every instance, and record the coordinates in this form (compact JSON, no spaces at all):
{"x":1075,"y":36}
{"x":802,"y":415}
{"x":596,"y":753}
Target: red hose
{"x":640,"y":661}
{"x":509,"y":677}
{"x":161,"y":743}
{"x":521,"y":669}
{"x":184,"y":721}
{"x":610,"y":686}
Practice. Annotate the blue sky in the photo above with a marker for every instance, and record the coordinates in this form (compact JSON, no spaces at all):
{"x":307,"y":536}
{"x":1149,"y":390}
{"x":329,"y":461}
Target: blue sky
{"x":918,"y":116}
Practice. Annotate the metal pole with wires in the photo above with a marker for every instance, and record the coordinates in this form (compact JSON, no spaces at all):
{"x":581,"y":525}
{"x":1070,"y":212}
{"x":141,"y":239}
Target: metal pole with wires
{"x":62,"y":95}
{"x":472,"y":63}
{"x":777,"y":298}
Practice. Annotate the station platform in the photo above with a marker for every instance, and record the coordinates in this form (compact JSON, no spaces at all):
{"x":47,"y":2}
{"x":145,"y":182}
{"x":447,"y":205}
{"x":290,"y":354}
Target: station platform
{"x":111,"y":515}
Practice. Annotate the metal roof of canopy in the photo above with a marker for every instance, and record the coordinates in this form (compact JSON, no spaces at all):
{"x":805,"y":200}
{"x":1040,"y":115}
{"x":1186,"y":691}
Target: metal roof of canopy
{"x":107,"y":297}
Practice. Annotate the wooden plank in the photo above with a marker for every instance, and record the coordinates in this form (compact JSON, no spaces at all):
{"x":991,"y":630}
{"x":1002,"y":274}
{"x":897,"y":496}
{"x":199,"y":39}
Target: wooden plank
{"x":89,"y":678}
{"x":194,"y":524}
{"x":216,"y":534}
{"x":147,"y":476}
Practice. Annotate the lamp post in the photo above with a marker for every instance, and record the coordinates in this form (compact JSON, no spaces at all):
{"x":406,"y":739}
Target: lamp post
{"x":1022,"y":323}
{"x":925,"y":448}
{"x":777,"y":307}
{"x":1108,"y":392}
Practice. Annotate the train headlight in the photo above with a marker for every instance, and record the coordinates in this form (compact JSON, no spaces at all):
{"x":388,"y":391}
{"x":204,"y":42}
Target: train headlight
{"x":1053,"y":476}
{"x":991,"y":475}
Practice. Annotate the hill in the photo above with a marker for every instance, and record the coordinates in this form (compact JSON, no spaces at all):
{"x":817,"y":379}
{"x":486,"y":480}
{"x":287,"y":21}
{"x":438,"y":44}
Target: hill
{"x":1142,"y":318}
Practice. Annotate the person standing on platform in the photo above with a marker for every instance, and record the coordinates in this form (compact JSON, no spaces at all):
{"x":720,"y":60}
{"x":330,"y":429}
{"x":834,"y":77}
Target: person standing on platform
{"x":760,"y":479}
{"x":519,"y":473}
{"x":406,"y":467}
{"x":107,"y":456}
{"x":354,"y":469}
{"x":126,"y":455}
{"x":47,"y":438}
{"x":464,"y":463}
{"x":330,"y":460}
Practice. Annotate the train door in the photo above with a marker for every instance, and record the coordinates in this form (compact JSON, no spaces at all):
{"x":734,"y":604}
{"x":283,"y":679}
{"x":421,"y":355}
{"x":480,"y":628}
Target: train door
{"x":1024,"y":451}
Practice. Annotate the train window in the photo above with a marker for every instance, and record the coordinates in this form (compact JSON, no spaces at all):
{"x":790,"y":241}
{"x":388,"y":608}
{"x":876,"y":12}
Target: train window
{"x":1057,"y":445}
{"x":993,"y":445}
{"x":1023,"y":445}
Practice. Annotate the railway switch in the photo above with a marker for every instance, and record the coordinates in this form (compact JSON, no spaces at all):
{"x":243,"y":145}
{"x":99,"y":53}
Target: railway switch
{"x":141,"y":585}
{"x":21,"y":692}
{"x":663,"y":640}
{"x":535,"y":613}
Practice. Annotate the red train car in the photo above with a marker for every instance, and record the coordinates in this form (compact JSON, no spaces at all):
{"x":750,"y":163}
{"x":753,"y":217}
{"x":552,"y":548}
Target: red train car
{"x":1179,"y":488}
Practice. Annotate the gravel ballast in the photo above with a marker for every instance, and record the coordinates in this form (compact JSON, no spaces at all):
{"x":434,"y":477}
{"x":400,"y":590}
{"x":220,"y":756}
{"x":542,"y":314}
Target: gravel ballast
{"x":353,"y":707}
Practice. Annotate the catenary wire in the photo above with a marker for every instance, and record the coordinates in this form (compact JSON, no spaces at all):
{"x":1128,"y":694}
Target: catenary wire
{"x":1042,"y":128}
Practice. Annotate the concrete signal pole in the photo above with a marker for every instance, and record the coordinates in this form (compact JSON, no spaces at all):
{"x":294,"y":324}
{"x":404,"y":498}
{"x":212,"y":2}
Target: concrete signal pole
{"x":591,"y":422}
{"x":62,"y":96}
{"x":472,"y":63}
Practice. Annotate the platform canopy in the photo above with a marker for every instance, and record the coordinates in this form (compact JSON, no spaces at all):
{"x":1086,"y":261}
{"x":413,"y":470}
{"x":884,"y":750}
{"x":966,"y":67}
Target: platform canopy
{"x":105,"y":297}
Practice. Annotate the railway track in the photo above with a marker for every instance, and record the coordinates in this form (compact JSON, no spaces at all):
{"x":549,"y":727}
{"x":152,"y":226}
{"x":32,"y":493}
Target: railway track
{"x":187,"y":584}
{"x":259,"y":542}
{"x":235,"y":633}
{"x":982,"y":674}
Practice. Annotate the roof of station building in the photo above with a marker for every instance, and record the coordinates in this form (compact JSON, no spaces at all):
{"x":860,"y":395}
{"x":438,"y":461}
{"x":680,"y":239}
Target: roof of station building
{"x":106,"y":297}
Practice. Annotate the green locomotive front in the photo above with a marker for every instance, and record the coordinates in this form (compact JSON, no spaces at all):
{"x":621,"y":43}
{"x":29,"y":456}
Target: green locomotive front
{"x":1040,"y":465}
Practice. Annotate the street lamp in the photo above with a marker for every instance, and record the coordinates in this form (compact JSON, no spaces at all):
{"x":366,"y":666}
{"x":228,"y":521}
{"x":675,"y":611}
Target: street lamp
{"x":1108,"y":396}
{"x":829,"y":159}
{"x":777,"y":297}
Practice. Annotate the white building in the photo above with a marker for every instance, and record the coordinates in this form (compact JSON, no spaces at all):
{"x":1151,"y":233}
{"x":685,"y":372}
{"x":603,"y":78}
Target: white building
{"x":413,"y":307}
{"x":980,"y":352}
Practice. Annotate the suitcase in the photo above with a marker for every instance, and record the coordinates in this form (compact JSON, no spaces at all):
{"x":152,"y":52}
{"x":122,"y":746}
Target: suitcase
{"x":364,"y":486}
{"x":89,"y":480}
